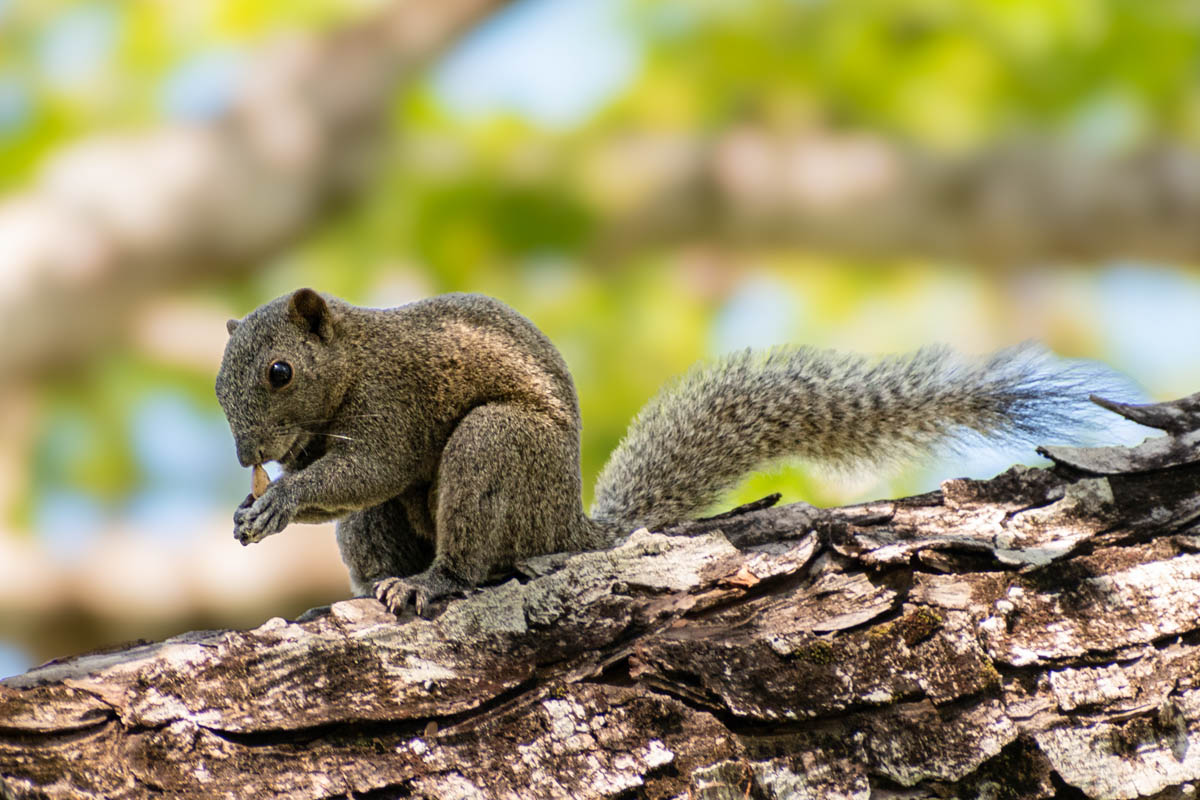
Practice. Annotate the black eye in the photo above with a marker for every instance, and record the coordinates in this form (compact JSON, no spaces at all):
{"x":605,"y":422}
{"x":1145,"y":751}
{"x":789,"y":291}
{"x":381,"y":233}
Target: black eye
{"x":279,"y":374}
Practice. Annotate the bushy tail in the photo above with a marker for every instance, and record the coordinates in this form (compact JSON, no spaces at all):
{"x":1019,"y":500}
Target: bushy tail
{"x":698,"y":437}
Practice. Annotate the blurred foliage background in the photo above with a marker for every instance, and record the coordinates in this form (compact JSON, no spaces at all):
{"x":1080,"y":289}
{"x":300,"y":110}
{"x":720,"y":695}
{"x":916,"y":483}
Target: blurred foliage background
{"x":650,"y":181}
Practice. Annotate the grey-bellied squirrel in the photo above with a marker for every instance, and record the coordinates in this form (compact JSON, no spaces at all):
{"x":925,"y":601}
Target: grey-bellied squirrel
{"x":444,"y":435}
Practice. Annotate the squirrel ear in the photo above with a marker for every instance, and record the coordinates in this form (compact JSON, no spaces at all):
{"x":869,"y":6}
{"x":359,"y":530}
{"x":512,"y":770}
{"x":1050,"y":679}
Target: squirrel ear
{"x":231,"y":325}
{"x":308,"y":310}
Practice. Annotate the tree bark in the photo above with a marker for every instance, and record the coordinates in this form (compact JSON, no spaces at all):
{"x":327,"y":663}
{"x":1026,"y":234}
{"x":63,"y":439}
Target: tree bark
{"x":1032,"y":635}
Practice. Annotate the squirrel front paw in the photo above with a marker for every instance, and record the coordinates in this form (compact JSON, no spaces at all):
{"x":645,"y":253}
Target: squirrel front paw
{"x":256,"y":519}
{"x":421,"y":590}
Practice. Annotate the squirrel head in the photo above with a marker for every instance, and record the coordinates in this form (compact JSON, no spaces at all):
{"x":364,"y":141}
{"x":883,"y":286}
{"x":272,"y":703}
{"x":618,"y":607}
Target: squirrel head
{"x":280,"y":376}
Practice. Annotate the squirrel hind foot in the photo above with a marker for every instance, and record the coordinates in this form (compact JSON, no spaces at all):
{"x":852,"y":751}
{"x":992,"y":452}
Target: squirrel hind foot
{"x":422,"y":590}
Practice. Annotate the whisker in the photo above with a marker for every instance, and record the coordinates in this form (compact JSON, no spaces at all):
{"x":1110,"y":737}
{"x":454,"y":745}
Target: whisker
{"x":282,"y":430}
{"x":322,"y":420}
{"x":331,"y":435}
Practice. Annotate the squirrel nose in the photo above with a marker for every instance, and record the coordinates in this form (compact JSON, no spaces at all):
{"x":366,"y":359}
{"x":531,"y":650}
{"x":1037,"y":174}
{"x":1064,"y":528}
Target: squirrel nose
{"x":248,"y":454}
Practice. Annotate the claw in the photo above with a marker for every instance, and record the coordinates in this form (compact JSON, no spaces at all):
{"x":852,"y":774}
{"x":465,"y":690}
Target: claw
{"x":422,"y":590}
{"x":256,"y":519}
{"x":397,"y":593}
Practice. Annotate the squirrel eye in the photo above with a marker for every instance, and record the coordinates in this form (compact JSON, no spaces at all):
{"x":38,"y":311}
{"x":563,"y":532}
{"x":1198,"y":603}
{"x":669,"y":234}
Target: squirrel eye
{"x":279,"y":374}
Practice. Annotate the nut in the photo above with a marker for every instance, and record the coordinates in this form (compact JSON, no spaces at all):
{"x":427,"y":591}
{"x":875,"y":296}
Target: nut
{"x":259,"y":481}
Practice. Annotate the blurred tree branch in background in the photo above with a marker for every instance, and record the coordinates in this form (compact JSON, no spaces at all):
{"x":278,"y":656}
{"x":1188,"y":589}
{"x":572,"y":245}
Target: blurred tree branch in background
{"x":1020,"y":202}
{"x":864,"y":195}
{"x":115,"y":219}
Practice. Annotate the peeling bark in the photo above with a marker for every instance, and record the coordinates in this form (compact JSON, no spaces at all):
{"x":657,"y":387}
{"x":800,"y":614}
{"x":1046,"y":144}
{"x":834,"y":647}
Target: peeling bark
{"x":1032,"y":635}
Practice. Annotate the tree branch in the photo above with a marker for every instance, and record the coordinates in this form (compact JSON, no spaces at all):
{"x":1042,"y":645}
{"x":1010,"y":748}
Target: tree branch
{"x":1021,"y":634}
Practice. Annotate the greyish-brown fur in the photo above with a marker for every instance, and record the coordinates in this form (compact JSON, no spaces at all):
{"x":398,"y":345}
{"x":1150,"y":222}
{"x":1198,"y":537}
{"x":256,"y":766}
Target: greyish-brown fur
{"x":444,"y":434}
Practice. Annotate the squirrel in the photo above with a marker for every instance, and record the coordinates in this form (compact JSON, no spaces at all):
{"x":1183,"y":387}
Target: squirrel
{"x":444,"y":435}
